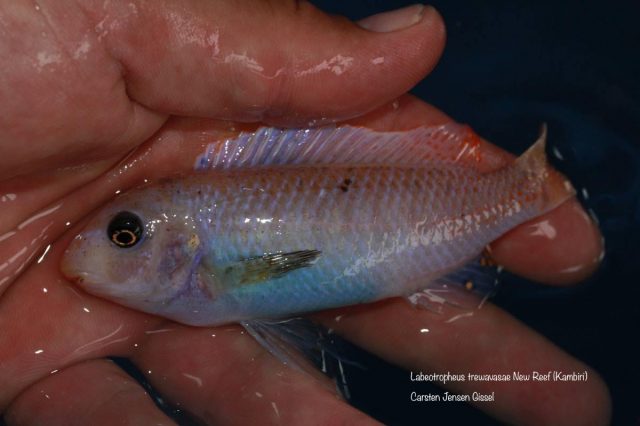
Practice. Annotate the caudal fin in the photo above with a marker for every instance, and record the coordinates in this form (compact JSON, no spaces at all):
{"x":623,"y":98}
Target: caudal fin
{"x":551,"y":187}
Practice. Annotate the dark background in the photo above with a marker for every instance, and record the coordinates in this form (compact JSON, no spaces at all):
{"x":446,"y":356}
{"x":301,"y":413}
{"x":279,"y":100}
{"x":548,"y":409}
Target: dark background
{"x":509,"y":66}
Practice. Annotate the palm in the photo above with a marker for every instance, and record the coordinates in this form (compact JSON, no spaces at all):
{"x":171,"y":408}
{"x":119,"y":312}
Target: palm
{"x":99,"y":113}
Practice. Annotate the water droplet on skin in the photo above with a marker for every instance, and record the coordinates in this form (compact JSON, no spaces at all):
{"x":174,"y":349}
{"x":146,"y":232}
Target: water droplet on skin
{"x":213,"y":40}
{"x":101,"y":342}
{"x":83,"y":48}
{"x":572,"y":269}
{"x":197,"y":380}
{"x":38,"y":216}
{"x":160,"y":330}
{"x":337,"y":65}
{"x":275,"y":408}
{"x":48,"y":58}
{"x":7,"y":235}
{"x":459,"y":316}
{"x":544,"y":229}
{"x":42,"y":256}
{"x":243,"y":60}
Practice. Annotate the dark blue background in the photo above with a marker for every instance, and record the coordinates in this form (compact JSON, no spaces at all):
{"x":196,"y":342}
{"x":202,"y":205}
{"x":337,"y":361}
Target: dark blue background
{"x":507,"y":67}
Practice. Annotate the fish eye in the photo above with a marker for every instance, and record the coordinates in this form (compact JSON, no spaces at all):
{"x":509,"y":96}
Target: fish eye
{"x":125,"y":229}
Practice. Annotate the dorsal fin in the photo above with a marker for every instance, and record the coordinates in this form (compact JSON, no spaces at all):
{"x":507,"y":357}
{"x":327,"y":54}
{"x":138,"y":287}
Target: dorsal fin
{"x":443,"y":145}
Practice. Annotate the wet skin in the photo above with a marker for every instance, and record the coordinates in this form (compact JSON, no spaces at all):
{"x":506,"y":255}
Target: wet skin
{"x":109,"y":123}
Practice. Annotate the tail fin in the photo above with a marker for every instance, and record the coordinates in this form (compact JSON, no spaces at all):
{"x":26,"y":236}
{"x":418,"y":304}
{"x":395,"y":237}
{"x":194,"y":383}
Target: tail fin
{"x":553,"y":186}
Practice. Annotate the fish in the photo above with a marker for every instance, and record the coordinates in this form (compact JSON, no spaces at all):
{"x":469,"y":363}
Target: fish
{"x":280,"y":222}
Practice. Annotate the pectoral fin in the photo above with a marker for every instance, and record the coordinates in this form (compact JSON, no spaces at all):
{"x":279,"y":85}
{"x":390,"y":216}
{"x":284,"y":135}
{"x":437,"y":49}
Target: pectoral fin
{"x":269,"y":266}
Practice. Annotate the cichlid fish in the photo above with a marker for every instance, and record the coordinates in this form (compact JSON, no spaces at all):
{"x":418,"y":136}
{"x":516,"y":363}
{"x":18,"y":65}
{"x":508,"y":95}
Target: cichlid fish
{"x":280,"y":222}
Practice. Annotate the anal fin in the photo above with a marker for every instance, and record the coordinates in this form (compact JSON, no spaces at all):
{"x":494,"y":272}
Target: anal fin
{"x":304,"y":346}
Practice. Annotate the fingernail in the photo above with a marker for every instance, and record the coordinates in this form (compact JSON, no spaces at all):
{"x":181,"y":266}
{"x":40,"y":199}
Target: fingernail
{"x":393,"y":20}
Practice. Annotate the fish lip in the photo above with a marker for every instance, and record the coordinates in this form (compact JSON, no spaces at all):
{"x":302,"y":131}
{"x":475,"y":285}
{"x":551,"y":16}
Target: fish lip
{"x":77,"y":277}
{"x":87,"y":282}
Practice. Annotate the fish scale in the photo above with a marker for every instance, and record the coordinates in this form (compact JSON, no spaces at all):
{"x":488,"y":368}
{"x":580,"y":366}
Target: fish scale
{"x":348,"y":271}
{"x":388,"y":222}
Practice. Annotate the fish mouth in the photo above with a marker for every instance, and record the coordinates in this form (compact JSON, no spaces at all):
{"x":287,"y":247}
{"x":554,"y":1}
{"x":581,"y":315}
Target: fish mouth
{"x":89,"y":283}
{"x":77,"y":277}
{"x":68,"y":270}
{"x":72,"y":273}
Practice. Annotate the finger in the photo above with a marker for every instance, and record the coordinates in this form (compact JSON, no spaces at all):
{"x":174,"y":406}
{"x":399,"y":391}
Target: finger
{"x":113,"y":71}
{"x":560,"y":247}
{"x":94,"y":392}
{"x":296,"y":63}
{"x":222,"y":376}
{"x":488,"y":342}
{"x":47,"y":325}
{"x":23,"y":195}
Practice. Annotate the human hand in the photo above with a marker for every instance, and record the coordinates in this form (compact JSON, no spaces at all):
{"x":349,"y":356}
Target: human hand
{"x":111,"y":78}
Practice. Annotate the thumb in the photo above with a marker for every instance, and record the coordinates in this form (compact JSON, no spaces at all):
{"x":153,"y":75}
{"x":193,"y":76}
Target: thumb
{"x":87,"y":83}
{"x":282,"y":62}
